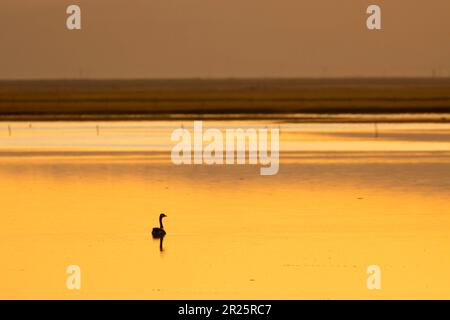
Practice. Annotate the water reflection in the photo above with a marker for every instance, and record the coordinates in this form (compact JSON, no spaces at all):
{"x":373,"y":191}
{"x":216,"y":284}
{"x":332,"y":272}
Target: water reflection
{"x":308,"y":232}
{"x":161,"y":240}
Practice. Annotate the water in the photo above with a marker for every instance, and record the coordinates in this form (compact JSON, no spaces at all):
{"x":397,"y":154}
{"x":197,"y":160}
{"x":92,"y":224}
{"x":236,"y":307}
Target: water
{"x":347,"y":195}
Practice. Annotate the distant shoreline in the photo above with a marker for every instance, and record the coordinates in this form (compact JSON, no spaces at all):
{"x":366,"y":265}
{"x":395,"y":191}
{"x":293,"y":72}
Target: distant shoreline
{"x":221,"y":99}
{"x":281,"y":118}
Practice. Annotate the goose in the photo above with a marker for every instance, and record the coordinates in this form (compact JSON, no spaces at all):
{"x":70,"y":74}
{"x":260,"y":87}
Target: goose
{"x":159,"y":232}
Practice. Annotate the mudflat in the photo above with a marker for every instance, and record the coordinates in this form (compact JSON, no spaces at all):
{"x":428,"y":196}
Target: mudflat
{"x":100,"y":99}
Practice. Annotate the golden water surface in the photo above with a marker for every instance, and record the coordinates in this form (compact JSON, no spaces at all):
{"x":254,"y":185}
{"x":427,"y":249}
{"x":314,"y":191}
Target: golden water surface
{"x":346,"y":196}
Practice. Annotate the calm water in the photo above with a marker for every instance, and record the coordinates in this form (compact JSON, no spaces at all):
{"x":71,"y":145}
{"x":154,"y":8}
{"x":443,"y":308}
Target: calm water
{"x":346,"y":196}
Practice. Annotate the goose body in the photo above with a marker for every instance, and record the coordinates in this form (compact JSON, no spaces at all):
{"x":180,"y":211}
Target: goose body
{"x":159,"y":232}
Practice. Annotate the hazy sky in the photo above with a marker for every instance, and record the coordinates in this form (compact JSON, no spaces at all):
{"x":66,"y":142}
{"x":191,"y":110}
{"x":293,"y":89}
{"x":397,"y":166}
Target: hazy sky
{"x":223,"y":38}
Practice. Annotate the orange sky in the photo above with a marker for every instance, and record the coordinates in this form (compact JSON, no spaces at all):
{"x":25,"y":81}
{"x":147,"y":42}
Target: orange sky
{"x":232,"y":38}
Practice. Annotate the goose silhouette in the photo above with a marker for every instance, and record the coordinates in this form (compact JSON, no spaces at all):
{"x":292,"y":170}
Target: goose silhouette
{"x":159,"y":232}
